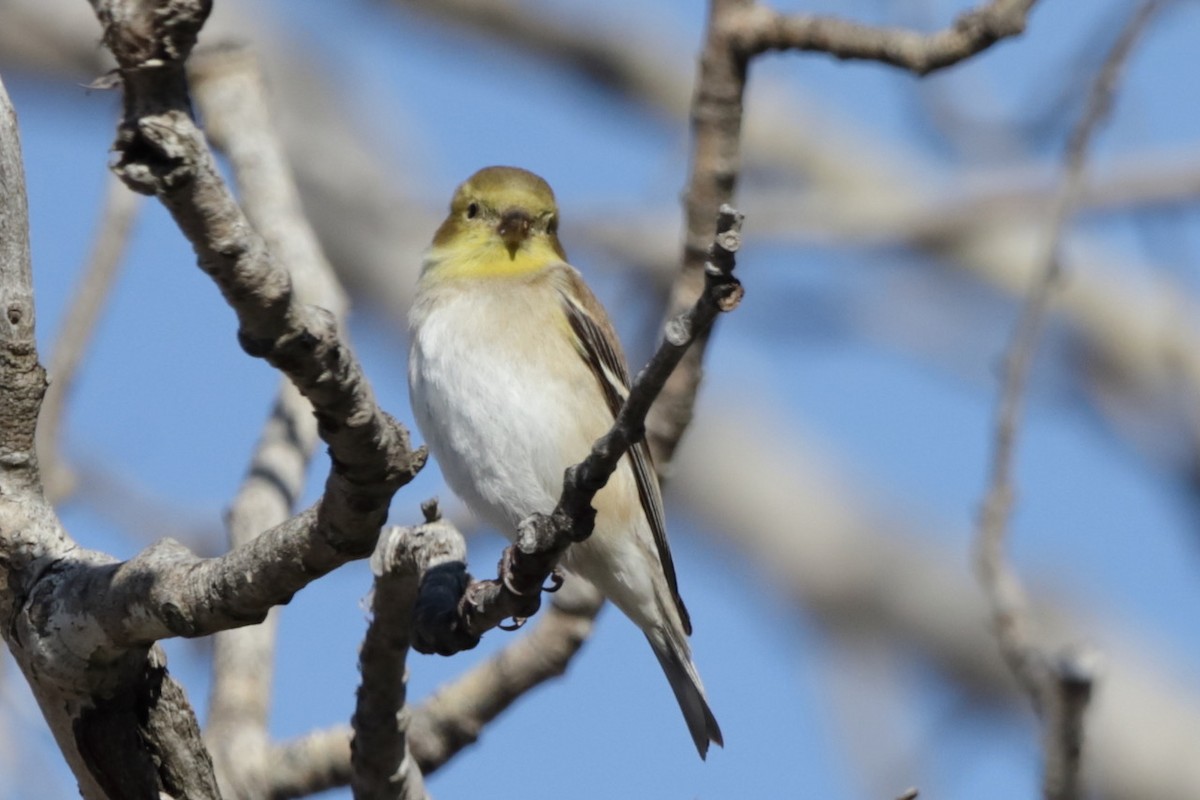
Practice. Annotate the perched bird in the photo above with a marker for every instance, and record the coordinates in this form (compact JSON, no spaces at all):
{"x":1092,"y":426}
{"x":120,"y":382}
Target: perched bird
{"x":515,"y":371}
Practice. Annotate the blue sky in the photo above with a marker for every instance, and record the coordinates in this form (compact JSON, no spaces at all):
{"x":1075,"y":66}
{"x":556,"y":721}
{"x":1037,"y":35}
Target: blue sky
{"x":168,"y":401}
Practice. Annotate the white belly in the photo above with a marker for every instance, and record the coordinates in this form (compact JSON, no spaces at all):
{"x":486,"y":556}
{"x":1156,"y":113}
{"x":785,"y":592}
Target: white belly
{"x":505,"y":413}
{"x":502,"y":424}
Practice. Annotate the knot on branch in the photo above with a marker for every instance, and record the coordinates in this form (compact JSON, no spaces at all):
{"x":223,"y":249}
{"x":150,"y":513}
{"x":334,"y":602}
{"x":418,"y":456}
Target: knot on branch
{"x":1076,"y":671}
{"x":158,"y":153}
{"x":178,"y":23}
{"x":725,"y":290}
{"x":141,"y":33}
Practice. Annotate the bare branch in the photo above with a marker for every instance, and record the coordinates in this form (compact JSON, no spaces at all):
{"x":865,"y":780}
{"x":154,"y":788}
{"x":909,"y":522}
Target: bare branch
{"x":541,"y":538}
{"x":1059,"y":688}
{"x":609,"y":58}
{"x":123,"y":725}
{"x":716,"y":133}
{"x":79,"y":324}
{"x":243,"y":658}
{"x":22,"y":379}
{"x":737,"y":30}
{"x":863,"y":565}
{"x":382,"y":766}
{"x":227,"y":83}
{"x":760,"y":29}
{"x":85,"y":627}
{"x":162,"y":152}
{"x":456,"y":715}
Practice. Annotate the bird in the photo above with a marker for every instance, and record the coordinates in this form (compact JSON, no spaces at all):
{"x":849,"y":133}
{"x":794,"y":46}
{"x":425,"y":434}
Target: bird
{"x":514,"y":371}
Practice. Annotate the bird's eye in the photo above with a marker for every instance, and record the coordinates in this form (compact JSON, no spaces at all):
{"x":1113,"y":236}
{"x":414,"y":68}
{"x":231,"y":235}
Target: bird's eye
{"x":473,"y":211}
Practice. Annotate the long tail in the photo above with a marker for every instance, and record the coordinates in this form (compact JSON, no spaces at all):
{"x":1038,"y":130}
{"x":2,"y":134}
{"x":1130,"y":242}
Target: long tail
{"x":677,"y":663}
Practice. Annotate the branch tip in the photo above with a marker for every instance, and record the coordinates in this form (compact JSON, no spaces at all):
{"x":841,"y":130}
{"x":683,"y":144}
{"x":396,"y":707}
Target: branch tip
{"x":431,"y":510}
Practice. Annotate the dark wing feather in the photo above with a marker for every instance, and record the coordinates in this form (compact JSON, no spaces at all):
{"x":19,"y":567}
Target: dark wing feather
{"x":600,"y":348}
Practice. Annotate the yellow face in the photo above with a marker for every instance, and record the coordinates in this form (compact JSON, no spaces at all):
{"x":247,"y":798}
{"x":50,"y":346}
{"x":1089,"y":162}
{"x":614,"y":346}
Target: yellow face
{"x":503,"y":222}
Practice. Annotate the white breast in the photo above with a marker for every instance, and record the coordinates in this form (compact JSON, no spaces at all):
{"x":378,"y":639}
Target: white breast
{"x":497,"y":392}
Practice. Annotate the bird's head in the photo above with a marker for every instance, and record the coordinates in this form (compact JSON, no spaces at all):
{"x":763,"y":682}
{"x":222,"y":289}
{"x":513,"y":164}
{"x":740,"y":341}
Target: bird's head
{"x":502,"y":221}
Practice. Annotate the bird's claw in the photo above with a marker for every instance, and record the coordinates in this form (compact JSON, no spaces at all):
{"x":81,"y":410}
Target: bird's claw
{"x":516,"y":624}
{"x":556,"y":582}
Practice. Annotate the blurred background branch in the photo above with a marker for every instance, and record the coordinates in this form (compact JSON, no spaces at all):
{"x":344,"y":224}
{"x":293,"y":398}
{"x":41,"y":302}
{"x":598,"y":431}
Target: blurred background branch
{"x":1059,"y":684}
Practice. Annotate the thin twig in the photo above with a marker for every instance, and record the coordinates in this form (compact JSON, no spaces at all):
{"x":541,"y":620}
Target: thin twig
{"x":78,"y":326}
{"x":1059,"y":687}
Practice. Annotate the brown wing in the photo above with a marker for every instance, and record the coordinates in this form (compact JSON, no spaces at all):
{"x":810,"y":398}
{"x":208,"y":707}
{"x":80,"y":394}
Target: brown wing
{"x":600,"y":347}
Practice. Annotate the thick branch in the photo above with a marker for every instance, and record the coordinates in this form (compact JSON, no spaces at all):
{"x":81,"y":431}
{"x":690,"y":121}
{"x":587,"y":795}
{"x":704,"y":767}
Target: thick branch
{"x":22,"y":379}
{"x":86,"y":624}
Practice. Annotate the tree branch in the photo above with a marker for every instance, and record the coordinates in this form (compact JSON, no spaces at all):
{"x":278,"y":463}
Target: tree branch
{"x":162,"y":152}
{"x":81,"y":626}
{"x":243,"y":658}
{"x":456,"y":715}
{"x":22,"y":379}
{"x":124,"y":727}
{"x":1058,"y":686}
{"x":382,"y":767}
{"x":760,"y":29}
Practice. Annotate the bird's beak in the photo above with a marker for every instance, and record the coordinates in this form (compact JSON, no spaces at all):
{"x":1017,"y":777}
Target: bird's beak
{"x":514,"y":228}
